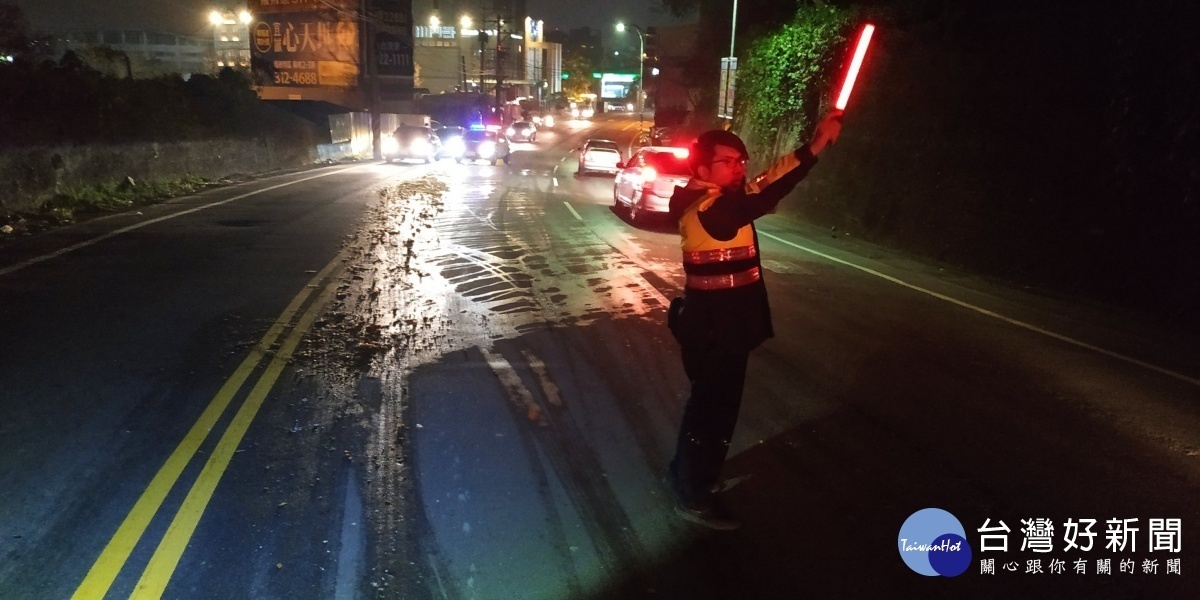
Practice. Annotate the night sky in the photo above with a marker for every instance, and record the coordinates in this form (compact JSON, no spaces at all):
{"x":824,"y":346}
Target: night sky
{"x":190,"y":16}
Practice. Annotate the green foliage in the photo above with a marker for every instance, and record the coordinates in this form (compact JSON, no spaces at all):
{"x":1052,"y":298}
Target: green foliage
{"x":110,"y":197}
{"x":784,"y":75}
{"x":69,"y":102}
{"x":579,"y":69}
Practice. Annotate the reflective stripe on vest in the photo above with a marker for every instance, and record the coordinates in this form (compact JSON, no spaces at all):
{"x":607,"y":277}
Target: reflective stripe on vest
{"x":701,"y":257}
{"x":724,"y":282}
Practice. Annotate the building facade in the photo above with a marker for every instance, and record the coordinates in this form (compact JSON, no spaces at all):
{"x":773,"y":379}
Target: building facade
{"x":137,"y":53}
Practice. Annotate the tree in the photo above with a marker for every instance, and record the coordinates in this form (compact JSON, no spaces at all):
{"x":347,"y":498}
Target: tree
{"x":14,"y":30}
{"x":578,"y":68}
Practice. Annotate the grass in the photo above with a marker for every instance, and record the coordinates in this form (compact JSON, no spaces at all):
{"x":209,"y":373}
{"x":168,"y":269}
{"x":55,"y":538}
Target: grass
{"x":93,"y":200}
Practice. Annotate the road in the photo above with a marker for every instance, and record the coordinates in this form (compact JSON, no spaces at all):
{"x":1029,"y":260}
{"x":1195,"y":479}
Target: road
{"x":454,"y":381}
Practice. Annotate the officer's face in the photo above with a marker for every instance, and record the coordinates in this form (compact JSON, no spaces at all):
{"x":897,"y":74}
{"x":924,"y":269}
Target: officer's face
{"x":727,"y":168}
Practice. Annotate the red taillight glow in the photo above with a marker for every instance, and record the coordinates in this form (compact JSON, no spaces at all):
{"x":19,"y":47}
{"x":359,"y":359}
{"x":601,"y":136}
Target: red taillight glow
{"x":860,"y":51}
{"x":680,"y":152}
{"x":649,"y":174}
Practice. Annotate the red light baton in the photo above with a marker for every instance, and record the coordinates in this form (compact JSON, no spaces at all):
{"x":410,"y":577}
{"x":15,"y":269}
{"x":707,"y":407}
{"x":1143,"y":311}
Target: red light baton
{"x":860,"y":51}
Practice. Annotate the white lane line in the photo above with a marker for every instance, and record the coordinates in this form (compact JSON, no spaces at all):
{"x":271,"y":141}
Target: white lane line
{"x":100,"y":238}
{"x":572,"y":209}
{"x":555,"y":182}
{"x":983,"y":311}
{"x":553,"y":395}
{"x":518,"y":394}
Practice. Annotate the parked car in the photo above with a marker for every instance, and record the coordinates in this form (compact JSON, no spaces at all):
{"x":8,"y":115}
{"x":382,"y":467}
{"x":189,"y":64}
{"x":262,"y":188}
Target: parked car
{"x":452,"y":138}
{"x":483,"y":144}
{"x":598,"y":155}
{"x":411,"y":142}
{"x":522,"y":131}
{"x":646,"y":182}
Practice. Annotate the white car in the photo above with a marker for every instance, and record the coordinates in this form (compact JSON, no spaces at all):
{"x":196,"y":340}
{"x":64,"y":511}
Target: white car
{"x":598,"y":156}
{"x":646,"y":182}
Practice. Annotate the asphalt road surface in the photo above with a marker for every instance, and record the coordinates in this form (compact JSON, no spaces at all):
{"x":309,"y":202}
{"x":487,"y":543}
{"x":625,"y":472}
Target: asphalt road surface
{"x":454,"y":381}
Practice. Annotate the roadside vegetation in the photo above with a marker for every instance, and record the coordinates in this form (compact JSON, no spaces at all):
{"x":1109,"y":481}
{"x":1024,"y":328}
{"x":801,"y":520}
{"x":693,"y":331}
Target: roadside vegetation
{"x":84,"y":202}
{"x":1052,"y":147}
{"x":51,"y":105}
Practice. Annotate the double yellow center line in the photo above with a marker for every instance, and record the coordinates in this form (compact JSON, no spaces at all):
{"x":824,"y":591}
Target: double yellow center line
{"x":162,"y":564}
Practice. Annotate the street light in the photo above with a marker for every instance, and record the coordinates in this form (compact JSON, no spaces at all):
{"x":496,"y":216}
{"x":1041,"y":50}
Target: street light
{"x":641,"y":65}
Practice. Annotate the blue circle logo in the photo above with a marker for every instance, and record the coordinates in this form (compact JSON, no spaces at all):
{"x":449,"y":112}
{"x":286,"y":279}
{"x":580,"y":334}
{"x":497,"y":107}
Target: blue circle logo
{"x":932,"y":542}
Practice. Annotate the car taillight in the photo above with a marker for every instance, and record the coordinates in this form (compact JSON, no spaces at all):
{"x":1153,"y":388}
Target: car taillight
{"x":649,"y":174}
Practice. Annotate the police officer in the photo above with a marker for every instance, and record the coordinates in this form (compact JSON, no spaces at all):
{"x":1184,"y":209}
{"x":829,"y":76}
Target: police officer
{"x":724,"y":312}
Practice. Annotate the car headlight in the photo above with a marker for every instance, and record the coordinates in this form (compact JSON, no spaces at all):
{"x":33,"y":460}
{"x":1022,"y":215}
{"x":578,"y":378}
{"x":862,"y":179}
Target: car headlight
{"x":511,"y":132}
{"x":575,"y":112}
{"x":548,"y":121}
{"x":487,"y":149}
{"x":587,"y":113}
{"x":420,"y":147}
{"x":455,"y":147}
{"x":390,"y":145}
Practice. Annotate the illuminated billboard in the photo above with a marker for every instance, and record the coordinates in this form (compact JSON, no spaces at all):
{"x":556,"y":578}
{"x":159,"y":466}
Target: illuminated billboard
{"x":318,"y":43}
{"x":616,"y":85}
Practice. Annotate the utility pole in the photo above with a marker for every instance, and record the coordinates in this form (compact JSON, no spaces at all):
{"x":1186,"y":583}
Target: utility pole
{"x":499,"y":66}
{"x":371,"y":55}
{"x":483,"y":40}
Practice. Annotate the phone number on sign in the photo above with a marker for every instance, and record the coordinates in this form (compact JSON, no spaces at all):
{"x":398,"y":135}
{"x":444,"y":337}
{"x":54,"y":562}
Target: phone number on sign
{"x":296,"y":78}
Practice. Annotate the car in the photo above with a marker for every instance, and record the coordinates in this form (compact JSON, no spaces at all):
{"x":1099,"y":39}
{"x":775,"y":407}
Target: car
{"x":522,"y":131}
{"x":645,"y":183}
{"x":452,"y":141}
{"x":409,"y":142}
{"x":598,"y":155}
{"x":661,"y":136}
{"x":485,"y":144}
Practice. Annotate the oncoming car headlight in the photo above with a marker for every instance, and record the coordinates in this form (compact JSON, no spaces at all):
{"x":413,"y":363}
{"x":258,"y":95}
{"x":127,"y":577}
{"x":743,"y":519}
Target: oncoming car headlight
{"x":420,"y":146}
{"x":548,"y":121}
{"x":390,"y":145}
{"x":455,"y":147}
{"x":511,"y":132}
{"x":487,"y":149}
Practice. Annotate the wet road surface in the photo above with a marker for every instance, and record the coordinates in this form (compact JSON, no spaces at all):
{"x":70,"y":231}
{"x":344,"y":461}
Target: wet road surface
{"x":453,"y":381}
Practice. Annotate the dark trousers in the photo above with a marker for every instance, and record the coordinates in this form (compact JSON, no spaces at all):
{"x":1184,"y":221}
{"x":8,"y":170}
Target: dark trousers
{"x":717,"y":377}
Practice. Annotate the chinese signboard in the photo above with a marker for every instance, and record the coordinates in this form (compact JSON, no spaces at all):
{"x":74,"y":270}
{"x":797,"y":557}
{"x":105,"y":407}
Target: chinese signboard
{"x":319,"y":43}
{"x":393,"y":37}
{"x":304,"y":43}
{"x":728,"y":86}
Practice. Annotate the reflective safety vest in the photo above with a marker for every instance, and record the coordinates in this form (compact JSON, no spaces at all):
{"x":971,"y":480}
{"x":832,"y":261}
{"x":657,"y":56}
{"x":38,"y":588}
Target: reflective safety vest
{"x":712,"y":264}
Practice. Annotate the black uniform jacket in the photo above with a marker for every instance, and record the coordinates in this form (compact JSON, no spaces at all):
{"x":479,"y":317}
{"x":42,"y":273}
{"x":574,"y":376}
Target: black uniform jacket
{"x":736,"y":319}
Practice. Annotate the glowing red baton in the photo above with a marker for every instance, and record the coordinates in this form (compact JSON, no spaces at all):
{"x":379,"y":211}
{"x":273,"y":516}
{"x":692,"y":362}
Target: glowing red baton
{"x":860,"y":51}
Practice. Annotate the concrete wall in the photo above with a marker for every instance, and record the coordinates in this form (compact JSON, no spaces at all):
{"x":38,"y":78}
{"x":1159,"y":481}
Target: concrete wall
{"x":29,"y":176}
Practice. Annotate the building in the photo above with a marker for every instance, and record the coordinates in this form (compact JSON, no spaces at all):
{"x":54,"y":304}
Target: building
{"x":473,"y":56}
{"x":231,"y":38}
{"x":137,"y":53}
